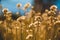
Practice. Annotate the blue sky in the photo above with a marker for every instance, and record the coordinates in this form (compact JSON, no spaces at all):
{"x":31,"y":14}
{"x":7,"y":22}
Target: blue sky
{"x":58,"y":4}
{"x":11,"y":4}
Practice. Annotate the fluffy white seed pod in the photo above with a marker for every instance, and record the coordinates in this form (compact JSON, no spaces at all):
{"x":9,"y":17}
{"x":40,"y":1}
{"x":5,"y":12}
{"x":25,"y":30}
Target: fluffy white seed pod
{"x":31,"y":25}
{"x":26,"y":6}
{"x":35,"y":22}
{"x":29,"y":36}
{"x":5,"y":10}
{"x":8,"y":14}
{"x":19,"y":5}
{"x":57,"y":22}
{"x":37,"y":17}
{"x":21,"y":18}
{"x":53,"y":7}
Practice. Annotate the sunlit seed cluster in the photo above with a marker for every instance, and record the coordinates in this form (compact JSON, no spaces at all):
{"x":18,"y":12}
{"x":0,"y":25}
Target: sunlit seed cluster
{"x":32,"y":26}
